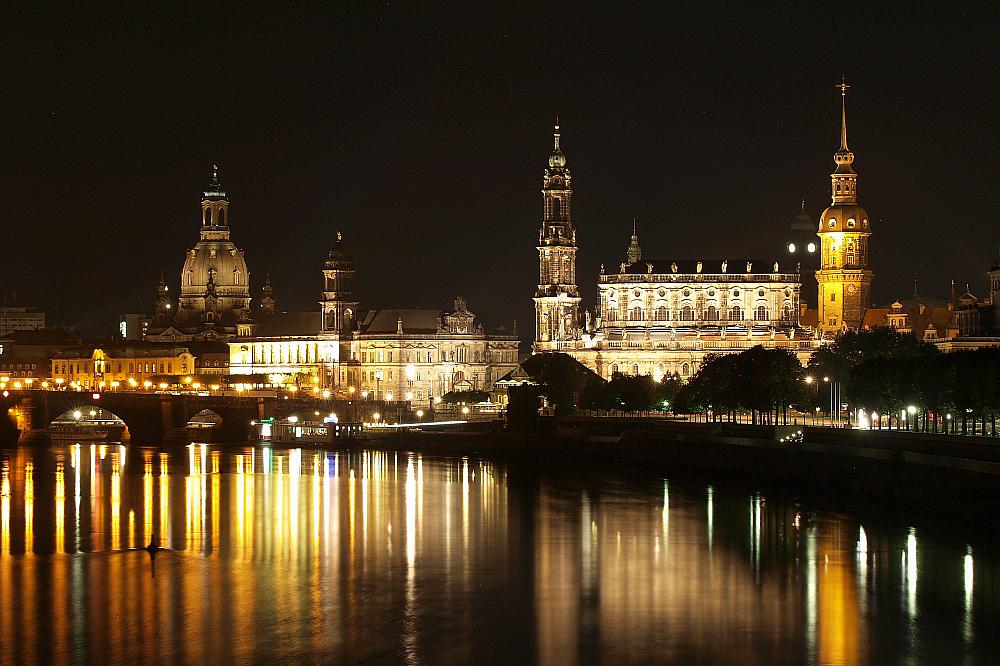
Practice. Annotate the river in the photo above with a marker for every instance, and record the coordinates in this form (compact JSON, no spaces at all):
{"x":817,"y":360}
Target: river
{"x":374,"y":557}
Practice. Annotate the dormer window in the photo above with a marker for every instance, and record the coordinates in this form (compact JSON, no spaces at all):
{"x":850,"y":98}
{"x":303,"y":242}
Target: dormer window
{"x":851,"y":223}
{"x":833,"y":222}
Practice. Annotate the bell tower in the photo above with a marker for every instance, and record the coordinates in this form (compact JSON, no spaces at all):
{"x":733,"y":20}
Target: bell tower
{"x":844,"y":278}
{"x":339,"y":304}
{"x":557,"y":297}
{"x":215,"y":210}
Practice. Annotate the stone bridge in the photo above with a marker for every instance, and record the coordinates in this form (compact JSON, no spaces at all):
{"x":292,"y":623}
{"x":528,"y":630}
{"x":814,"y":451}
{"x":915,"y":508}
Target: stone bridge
{"x":152,"y":418}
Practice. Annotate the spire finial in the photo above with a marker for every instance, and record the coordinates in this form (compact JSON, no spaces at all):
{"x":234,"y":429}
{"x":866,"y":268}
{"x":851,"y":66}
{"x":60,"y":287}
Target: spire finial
{"x":802,"y":208}
{"x":915,"y":293}
{"x":842,"y":86}
{"x":215,"y":174}
{"x":634,"y":232}
{"x":555,"y":135}
{"x":340,"y":236}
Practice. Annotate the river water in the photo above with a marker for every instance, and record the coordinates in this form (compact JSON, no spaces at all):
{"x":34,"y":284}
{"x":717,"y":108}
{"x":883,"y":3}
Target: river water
{"x":372,"y":557}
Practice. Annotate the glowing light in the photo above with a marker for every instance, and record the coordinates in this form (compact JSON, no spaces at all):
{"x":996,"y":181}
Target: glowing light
{"x":376,"y":416}
{"x":163,"y":385}
{"x":187,"y":380}
{"x":351,"y":389}
{"x":96,"y":396}
{"x":791,"y":247}
{"x":17,"y":386}
{"x":437,"y":400}
{"x":196,"y":385}
{"x":420,"y":413}
{"x":811,"y":247}
{"x":326,"y":394}
{"x":809,"y":380}
{"x":293,"y":419}
{"x":911,"y":410}
{"x":388,"y":396}
{"x":77,"y":414}
{"x":465,"y":410}
{"x":214,"y":387}
{"x":409,"y":395}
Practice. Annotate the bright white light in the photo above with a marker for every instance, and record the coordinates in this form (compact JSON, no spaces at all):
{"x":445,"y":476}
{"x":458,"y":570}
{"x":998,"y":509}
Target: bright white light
{"x":293,"y":419}
{"x":911,"y":409}
{"x":791,"y":248}
{"x":811,"y":247}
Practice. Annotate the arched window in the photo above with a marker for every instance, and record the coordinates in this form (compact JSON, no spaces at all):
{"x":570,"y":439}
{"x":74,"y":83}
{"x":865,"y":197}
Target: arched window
{"x":736,"y":314}
{"x":635,"y":369}
{"x":187,"y":277}
{"x":711,"y":313}
{"x":614,"y":369}
{"x":636,"y":314}
{"x":208,"y":217}
{"x":786,"y":313}
{"x":661,"y":313}
{"x":236,"y":276}
{"x":685,"y":369}
{"x":687,"y":313}
{"x":761,"y":313}
{"x":222,"y":217}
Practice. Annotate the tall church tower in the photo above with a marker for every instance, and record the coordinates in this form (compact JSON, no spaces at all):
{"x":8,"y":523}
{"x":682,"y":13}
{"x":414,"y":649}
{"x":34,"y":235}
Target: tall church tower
{"x":339,"y":303}
{"x":557,"y":298}
{"x":844,"y":277}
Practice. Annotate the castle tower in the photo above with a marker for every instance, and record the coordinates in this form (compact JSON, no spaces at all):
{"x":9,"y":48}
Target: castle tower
{"x":844,"y":277}
{"x":557,"y":297}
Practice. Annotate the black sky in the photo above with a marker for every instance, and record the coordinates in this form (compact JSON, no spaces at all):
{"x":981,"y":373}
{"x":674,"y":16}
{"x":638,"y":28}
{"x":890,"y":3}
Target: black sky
{"x":422,"y":130}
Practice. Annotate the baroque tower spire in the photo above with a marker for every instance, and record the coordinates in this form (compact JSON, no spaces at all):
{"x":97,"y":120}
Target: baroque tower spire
{"x":844,"y":277}
{"x":634,"y":253}
{"x":557,"y":297}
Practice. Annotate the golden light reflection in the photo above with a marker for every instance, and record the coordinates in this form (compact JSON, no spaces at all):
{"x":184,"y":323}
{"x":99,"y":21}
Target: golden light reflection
{"x":5,"y":509}
{"x":116,"y":504}
{"x":60,"y":507}
{"x":29,"y":507}
{"x":165,"y":537}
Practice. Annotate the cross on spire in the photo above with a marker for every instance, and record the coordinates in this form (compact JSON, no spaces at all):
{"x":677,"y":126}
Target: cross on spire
{"x":842,"y":86}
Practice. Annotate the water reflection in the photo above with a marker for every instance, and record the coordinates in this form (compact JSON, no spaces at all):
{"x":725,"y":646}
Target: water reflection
{"x":398,"y":557}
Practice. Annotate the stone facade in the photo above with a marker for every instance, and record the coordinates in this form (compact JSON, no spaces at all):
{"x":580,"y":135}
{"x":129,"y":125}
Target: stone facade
{"x":658,"y":316}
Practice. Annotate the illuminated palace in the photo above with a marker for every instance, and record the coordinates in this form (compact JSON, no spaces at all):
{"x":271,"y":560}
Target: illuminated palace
{"x":387,"y":353}
{"x":663,"y":316}
{"x":214,"y":302}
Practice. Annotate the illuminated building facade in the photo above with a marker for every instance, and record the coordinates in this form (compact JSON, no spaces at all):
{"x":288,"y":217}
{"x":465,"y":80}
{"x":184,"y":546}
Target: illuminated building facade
{"x":214,"y":301}
{"x":93,"y":367}
{"x":658,"y":316}
{"x":844,"y":229}
{"x":418,"y":354}
{"x":390,"y":354}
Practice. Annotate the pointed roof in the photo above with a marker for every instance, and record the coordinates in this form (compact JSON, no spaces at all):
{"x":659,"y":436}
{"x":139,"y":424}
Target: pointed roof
{"x":556,"y":158}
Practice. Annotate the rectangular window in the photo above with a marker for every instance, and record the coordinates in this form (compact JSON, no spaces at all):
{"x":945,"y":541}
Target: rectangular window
{"x":390,"y":357}
{"x":833,"y":297}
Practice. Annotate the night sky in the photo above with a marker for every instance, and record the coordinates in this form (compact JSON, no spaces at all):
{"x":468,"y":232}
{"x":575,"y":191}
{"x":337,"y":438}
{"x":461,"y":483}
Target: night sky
{"x":422,"y":131}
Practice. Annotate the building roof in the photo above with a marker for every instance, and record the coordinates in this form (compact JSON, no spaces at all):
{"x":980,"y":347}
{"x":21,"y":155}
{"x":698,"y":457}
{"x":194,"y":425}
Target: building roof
{"x":288,"y":324}
{"x":708,"y":266}
{"x":415,"y":320}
